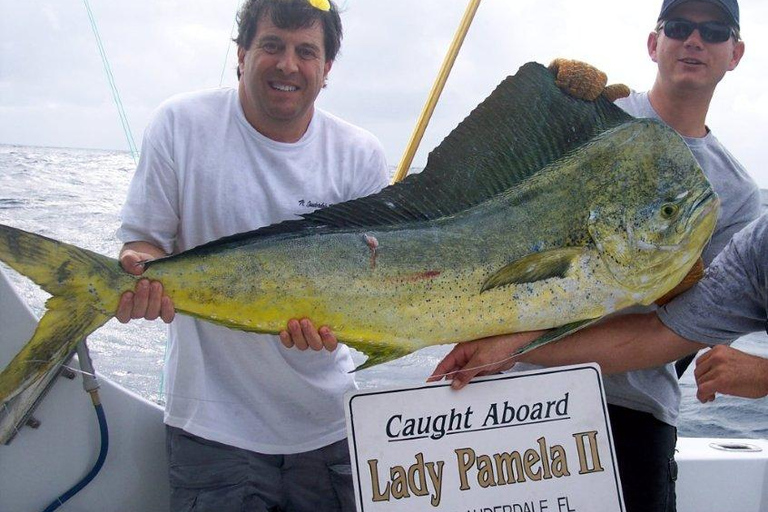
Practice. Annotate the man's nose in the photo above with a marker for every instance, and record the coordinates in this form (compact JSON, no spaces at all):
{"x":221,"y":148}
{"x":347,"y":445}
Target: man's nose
{"x":694,"y":40}
{"x":288,"y":62}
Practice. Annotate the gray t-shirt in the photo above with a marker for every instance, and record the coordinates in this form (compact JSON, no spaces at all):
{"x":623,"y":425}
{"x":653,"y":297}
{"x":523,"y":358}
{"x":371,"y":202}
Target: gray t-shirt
{"x":656,"y":390}
{"x":732,"y":299}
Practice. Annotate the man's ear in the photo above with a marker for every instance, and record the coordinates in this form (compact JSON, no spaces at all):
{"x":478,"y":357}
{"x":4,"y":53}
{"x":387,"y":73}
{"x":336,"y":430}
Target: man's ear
{"x":738,"y":53}
{"x":240,"y":58}
{"x":653,"y":42}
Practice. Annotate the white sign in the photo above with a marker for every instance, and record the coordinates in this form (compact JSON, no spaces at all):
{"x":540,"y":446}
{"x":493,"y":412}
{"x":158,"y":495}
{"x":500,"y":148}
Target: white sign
{"x":536,"y":441}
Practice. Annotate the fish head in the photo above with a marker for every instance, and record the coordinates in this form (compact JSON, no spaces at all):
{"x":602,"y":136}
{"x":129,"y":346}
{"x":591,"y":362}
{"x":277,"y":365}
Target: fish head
{"x":655,"y":214}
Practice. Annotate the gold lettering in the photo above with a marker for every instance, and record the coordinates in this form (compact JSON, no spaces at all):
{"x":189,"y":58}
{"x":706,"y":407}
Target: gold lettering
{"x":485,"y":475}
{"x":399,"y":482}
{"x":594,"y":455}
{"x":532,"y":458}
{"x":511,"y":464}
{"x":559,"y":462}
{"x":466,"y":459}
{"x":377,"y":494}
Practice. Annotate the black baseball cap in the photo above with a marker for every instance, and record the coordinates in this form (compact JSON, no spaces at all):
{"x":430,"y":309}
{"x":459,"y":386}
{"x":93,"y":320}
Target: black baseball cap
{"x":729,"y":7}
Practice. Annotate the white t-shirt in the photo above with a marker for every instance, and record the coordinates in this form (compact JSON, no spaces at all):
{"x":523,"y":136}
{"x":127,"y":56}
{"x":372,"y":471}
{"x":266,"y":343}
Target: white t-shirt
{"x":206,"y":173}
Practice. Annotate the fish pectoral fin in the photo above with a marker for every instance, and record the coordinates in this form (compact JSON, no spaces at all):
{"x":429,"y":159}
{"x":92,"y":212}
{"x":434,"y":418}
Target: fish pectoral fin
{"x":377,"y":353}
{"x":555,"y":334}
{"x":535,"y":267}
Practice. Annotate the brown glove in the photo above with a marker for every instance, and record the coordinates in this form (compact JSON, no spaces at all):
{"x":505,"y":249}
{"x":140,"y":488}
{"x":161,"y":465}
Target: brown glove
{"x":584,"y":81}
{"x":696,"y":273}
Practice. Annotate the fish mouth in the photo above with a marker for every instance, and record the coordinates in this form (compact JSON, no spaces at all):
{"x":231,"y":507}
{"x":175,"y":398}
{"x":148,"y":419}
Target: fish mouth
{"x":704,"y":197}
{"x":703,"y":206}
{"x":696,"y":212}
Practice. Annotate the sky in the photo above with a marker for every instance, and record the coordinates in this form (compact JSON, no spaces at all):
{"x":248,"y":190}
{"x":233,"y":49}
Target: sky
{"x":54,"y":90}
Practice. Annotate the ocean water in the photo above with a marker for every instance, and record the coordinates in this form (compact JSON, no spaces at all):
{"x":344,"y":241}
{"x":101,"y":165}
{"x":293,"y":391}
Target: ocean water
{"x":74,"y":195}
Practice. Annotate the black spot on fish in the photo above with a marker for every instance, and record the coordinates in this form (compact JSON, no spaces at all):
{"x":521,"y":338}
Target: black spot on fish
{"x":63,"y":273}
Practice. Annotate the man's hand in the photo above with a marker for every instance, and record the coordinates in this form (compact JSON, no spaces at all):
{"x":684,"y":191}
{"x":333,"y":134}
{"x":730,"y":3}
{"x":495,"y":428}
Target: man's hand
{"x":584,"y":81}
{"x":147,"y":300}
{"x":303,"y":335}
{"x":485,"y":356}
{"x":732,"y":372}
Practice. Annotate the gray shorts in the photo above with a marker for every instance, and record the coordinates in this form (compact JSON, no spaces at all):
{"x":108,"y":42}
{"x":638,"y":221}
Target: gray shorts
{"x":210,"y":476}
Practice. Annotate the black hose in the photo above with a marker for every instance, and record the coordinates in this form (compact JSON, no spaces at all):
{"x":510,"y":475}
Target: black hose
{"x":96,"y":467}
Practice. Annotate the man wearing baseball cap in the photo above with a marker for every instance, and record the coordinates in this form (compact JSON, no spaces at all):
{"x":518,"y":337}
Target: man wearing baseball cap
{"x":695,"y":43}
{"x":729,"y":7}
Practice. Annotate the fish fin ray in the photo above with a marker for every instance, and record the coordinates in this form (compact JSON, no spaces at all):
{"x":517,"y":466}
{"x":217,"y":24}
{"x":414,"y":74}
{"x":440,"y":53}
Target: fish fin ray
{"x":500,"y":144}
{"x":51,"y":264}
{"x":66,"y":322}
{"x":377,"y":352}
{"x":534,"y":267}
{"x":85,"y":288}
{"x":555,"y":335}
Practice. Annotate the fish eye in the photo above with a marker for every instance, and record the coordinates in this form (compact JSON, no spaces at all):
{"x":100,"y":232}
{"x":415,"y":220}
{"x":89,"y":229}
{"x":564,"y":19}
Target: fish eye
{"x":669,"y":210}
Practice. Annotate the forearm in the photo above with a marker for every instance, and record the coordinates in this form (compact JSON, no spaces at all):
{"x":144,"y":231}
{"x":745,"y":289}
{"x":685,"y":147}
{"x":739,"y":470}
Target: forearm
{"x":619,"y":344}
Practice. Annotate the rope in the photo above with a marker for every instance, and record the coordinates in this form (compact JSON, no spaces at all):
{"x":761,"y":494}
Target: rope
{"x":112,"y":85}
{"x":229,"y":45}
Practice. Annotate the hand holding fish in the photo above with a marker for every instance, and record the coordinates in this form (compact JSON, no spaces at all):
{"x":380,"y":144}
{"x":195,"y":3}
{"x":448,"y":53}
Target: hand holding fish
{"x":485,"y":356}
{"x":303,"y":335}
{"x":147,"y":300}
{"x":584,"y":81}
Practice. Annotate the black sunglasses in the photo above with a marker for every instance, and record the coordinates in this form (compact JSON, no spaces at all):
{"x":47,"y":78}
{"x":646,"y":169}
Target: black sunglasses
{"x":710,"y":31}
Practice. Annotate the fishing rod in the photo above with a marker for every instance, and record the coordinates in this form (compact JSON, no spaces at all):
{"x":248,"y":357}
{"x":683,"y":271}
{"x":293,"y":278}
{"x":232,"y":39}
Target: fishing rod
{"x":437,"y":89}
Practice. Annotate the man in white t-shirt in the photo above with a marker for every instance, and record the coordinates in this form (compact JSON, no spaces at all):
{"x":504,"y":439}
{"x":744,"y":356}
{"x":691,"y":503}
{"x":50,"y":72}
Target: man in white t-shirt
{"x":252,"y":425}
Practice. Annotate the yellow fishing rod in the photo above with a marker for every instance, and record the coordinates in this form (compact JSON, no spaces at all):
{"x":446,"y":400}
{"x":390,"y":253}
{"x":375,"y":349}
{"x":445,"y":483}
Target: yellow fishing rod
{"x":437,"y":89}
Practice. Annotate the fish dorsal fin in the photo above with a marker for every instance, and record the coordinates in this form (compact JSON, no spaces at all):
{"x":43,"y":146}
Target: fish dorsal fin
{"x":524,"y":125}
{"x":535,"y":267}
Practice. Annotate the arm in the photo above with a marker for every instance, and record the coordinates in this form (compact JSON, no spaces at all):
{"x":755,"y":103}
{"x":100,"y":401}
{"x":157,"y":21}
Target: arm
{"x":618,"y":344}
{"x":732,"y":372}
{"x":147,"y":300}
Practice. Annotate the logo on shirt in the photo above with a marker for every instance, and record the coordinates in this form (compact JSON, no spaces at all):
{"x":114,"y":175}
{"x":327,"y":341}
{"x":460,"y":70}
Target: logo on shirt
{"x":312,"y":204}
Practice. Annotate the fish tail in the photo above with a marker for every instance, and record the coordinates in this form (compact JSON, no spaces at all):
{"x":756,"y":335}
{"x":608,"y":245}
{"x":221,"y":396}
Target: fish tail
{"x":85,"y":289}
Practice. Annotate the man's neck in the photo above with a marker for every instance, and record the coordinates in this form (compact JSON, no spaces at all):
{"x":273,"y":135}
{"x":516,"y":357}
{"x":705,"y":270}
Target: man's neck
{"x":289,"y":132}
{"x":685,"y":111}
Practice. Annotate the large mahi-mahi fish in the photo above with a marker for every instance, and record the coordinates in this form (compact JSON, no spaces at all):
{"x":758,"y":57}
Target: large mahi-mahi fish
{"x":538,"y":211}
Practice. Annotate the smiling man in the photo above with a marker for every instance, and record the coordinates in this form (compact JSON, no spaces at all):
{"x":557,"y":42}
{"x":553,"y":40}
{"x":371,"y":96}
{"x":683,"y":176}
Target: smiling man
{"x":251,"y":424}
{"x":695,"y":43}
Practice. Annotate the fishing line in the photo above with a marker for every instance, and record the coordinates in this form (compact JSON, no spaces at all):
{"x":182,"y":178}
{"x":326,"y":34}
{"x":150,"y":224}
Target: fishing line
{"x":113,"y":86}
{"x":486,"y":365}
{"x":229,"y":45}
